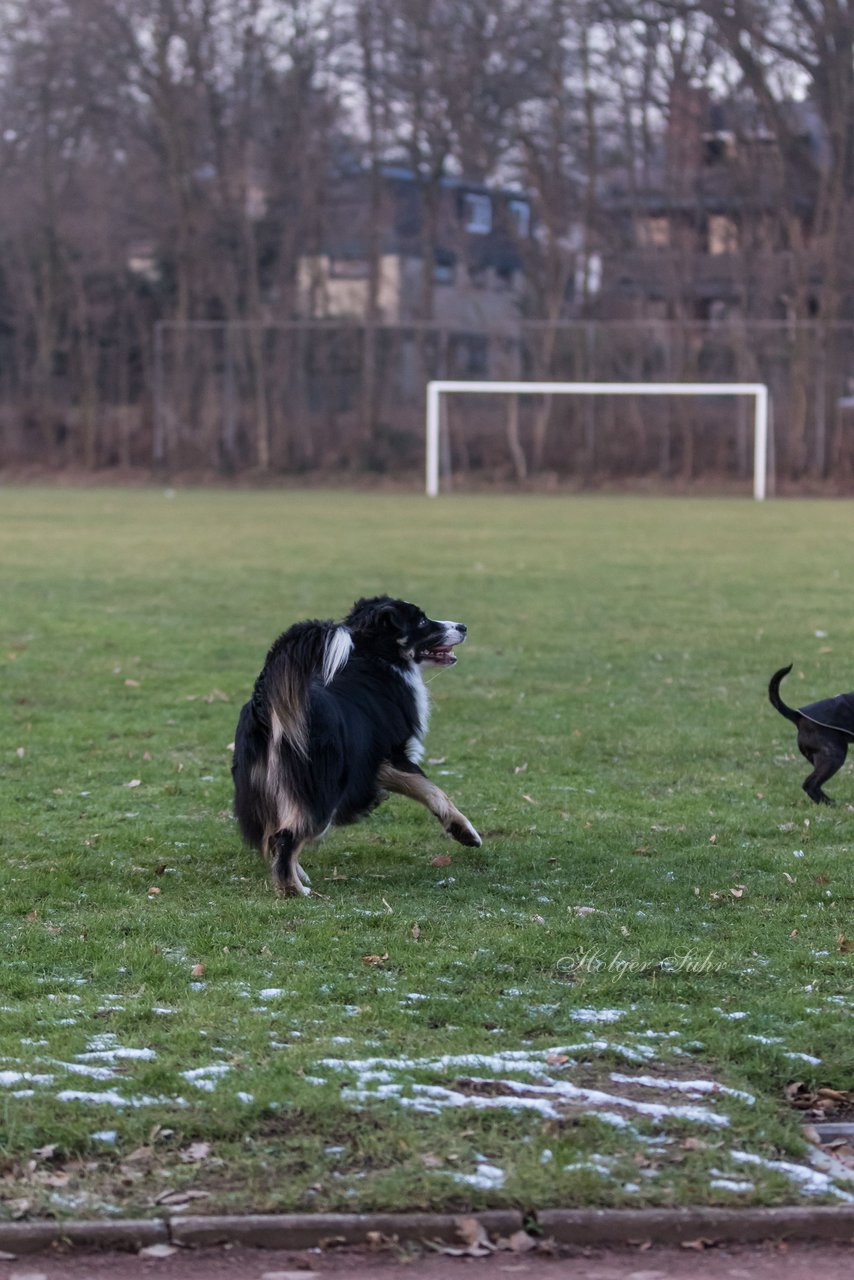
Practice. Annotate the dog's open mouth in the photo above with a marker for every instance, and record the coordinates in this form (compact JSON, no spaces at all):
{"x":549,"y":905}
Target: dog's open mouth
{"x":442,"y":655}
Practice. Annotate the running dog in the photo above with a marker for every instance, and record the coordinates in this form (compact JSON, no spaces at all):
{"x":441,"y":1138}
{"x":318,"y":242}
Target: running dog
{"x":337,"y":720}
{"x":824,"y":731}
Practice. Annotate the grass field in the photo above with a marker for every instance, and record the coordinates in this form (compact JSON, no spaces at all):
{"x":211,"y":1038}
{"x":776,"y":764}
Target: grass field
{"x":656,"y":902}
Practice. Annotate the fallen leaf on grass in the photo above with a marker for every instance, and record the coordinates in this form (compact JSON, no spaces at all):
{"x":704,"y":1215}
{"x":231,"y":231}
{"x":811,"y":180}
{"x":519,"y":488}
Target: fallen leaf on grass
{"x":415,"y":932}
{"x":441,"y":860}
{"x":520,"y":1242}
{"x":195,"y":1152}
{"x":134,"y":782}
{"x":181,"y":1197}
{"x":375,"y":959}
{"x":46,"y":1152}
{"x":791,"y":879}
{"x":387,"y":907}
{"x":158,"y":1251}
{"x":197,"y":971}
{"x":475,"y":1241}
{"x":845,"y":944}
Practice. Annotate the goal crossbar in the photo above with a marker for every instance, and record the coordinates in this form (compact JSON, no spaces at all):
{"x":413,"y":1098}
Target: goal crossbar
{"x":758,"y":390}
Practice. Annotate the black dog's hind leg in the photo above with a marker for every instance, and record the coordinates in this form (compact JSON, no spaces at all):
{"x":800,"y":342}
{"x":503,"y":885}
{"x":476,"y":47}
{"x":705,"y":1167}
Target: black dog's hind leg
{"x":406,"y":779}
{"x":826,"y":750}
{"x":288,"y":876}
{"x":828,"y":761}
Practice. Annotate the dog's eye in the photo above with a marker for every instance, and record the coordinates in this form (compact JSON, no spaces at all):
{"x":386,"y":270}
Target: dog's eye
{"x":422,"y":623}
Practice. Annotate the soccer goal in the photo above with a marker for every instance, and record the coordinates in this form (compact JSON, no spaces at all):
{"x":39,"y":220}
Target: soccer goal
{"x":758,"y":390}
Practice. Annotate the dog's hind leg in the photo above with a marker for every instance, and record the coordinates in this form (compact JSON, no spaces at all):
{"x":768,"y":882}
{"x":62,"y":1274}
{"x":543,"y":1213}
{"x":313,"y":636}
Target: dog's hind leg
{"x":828,"y":761}
{"x":406,"y":779}
{"x":288,"y":875}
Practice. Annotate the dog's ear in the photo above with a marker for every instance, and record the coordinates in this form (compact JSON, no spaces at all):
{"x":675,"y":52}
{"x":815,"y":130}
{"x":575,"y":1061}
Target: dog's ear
{"x":379,"y":613}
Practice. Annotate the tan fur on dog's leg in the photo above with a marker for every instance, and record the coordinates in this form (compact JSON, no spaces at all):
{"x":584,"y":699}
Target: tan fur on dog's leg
{"x":418,"y":787}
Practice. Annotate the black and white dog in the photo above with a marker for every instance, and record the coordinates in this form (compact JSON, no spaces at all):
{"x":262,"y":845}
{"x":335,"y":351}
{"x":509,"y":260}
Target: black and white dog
{"x":337,"y":719}
{"x":825,"y":730}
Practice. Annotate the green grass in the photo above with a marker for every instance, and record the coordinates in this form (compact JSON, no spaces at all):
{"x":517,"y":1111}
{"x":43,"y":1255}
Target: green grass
{"x":606,"y":729}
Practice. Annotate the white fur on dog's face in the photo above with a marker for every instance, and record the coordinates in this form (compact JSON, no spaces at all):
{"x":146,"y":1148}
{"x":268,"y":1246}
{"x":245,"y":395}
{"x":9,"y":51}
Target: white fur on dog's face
{"x":438,"y":654}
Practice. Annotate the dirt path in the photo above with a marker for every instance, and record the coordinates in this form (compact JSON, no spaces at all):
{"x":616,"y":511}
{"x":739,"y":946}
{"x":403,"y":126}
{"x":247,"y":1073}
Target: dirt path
{"x":772,"y":1263}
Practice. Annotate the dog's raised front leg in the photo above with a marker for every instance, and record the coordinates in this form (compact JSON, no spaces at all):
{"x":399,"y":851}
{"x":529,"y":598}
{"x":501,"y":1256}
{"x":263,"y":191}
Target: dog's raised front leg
{"x":408,"y":780}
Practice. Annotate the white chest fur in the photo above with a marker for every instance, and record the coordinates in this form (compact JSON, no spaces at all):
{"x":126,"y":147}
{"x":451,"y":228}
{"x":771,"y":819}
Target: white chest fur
{"x":415,"y":745}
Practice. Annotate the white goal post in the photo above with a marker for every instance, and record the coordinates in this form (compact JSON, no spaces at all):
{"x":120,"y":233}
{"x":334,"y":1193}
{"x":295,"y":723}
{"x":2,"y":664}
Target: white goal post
{"x":758,"y":390}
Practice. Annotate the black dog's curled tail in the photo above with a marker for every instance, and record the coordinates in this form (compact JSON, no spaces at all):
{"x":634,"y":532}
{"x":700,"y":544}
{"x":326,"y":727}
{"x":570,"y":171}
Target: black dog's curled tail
{"x":306,"y":651}
{"x":774,"y":695}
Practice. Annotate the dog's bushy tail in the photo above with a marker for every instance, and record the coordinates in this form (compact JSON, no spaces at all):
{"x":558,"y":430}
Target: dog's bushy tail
{"x":306,"y":651}
{"x":774,"y":695}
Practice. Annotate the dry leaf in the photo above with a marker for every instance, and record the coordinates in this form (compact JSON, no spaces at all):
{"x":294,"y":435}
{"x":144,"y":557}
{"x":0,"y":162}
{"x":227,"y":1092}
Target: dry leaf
{"x":699,"y":1244}
{"x":153,"y":890}
{"x":47,"y":1152}
{"x":791,"y":879}
{"x":520,"y":768}
{"x":737,"y":893}
{"x":442,"y":860}
{"x":132,"y":684}
{"x":197,"y":971}
{"x":180,"y":1197}
{"x":195,"y":1152}
{"x":713,"y":839}
{"x":134,"y":782}
{"x":387,"y":907}
{"x":822,"y":879}
{"x":20,"y":752}
{"x":415,"y":932}
{"x":375,"y":959}
{"x":158,"y":1251}
{"x":521,"y":1242}
{"x":530,"y":799}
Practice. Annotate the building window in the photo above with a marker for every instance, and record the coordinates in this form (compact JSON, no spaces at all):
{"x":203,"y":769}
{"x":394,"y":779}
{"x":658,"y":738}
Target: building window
{"x":520,"y":217}
{"x":654,"y":233}
{"x":349,"y":268}
{"x":723,"y":234}
{"x":477,"y":213}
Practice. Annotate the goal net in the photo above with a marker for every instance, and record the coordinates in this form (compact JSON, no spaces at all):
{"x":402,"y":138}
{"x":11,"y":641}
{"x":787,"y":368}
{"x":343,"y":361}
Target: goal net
{"x":758,"y":391}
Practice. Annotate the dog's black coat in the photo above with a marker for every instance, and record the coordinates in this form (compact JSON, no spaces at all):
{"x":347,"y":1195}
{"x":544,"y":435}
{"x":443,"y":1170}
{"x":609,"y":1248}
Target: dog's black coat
{"x":337,"y":716}
{"x":825,"y":729}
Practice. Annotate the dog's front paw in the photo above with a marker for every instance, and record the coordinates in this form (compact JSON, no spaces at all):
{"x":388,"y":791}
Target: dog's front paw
{"x":464,"y":833}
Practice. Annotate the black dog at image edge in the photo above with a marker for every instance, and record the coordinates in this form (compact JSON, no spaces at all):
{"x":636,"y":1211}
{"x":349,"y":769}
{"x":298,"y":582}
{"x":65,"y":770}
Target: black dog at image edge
{"x":337,"y":720}
{"x":824,"y":732}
